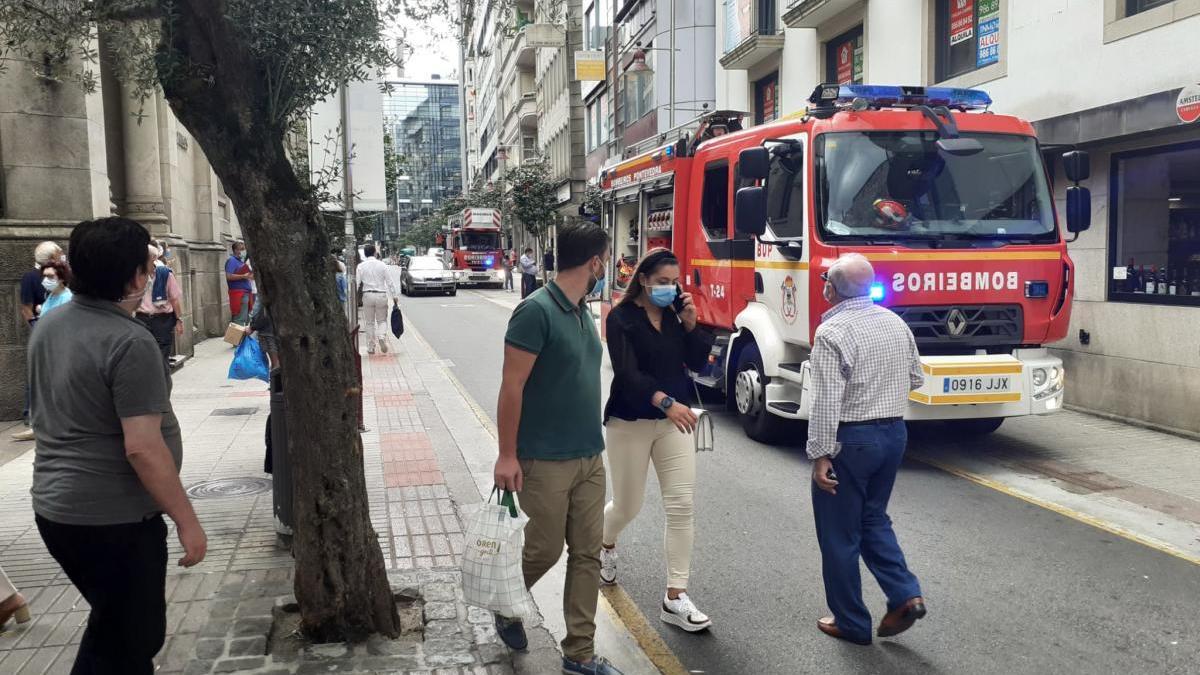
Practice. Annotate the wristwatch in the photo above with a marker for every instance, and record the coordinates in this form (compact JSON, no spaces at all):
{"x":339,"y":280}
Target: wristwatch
{"x":666,"y":403}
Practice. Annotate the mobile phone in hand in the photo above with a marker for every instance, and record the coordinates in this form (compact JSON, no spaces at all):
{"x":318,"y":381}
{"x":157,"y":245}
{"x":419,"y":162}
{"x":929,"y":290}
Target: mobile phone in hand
{"x":677,"y":304}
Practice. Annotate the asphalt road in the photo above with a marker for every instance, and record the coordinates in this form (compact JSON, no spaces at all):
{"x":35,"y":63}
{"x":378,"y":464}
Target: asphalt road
{"x":1011,"y":587}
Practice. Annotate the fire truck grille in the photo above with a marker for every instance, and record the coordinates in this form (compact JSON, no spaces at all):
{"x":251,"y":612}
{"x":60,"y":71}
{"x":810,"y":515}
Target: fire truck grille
{"x":964,"y":325}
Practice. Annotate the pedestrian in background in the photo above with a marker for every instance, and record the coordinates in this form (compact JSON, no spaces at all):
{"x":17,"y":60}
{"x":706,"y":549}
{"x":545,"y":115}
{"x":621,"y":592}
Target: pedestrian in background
{"x":551,"y":441}
{"x":32,"y":295}
{"x":529,"y":272}
{"x":14,"y":604}
{"x":108,"y":451}
{"x":507,"y":261}
{"x":548,"y":262}
{"x":375,"y":288}
{"x":864,"y":364}
{"x":55,"y":278}
{"x":649,"y":419}
{"x":238,"y":276}
{"x":339,"y":278}
{"x":161,"y":308}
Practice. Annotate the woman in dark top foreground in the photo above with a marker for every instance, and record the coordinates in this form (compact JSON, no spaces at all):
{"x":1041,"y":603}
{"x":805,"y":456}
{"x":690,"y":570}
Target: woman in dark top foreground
{"x":652,"y":342}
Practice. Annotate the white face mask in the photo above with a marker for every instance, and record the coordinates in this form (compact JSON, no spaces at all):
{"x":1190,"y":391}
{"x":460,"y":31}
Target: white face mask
{"x":50,"y":285}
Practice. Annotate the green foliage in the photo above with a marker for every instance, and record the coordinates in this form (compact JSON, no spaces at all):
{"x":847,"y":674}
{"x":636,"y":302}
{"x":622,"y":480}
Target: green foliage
{"x":532,"y":197}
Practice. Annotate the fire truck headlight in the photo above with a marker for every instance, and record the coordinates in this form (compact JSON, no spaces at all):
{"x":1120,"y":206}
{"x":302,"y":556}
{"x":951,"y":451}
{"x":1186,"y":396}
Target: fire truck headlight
{"x":1039,"y":377}
{"x":876,"y":292}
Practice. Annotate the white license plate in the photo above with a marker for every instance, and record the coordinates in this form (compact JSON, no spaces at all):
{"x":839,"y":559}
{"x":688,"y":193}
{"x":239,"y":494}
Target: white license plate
{"x":979,"y":384}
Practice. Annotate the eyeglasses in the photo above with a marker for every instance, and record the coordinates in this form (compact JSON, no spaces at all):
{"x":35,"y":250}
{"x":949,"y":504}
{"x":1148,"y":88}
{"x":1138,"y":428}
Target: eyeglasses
{"x":824,"y":276}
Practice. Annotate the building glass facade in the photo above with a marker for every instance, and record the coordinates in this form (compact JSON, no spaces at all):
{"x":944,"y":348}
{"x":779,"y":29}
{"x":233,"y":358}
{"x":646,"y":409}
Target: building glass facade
{"x":423,"y":118}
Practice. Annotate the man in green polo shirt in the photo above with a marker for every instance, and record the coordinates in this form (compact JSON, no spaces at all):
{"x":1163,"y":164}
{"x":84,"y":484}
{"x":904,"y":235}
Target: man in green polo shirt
{"x":551,"y":439}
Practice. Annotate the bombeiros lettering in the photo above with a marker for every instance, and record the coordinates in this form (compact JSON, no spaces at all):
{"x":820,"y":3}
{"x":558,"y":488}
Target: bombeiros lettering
{"x":955,"y":281}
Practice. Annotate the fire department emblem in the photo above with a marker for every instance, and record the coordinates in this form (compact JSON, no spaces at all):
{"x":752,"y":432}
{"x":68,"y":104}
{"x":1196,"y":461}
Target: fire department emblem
{"x":789,"y":299}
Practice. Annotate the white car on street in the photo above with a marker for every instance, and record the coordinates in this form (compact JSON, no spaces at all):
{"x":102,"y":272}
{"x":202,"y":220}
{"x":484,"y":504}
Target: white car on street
{"x":426,"y":274}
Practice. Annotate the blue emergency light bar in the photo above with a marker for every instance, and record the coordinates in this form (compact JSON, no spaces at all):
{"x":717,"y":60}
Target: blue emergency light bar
{"x":894,"y":96}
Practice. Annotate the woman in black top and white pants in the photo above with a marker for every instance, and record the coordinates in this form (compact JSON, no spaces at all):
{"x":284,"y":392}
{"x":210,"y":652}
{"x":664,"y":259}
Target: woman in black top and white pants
{"x":649,"y":419}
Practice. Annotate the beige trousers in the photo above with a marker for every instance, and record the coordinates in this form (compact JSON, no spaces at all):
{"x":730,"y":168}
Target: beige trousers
{"x":7,"y":590}
{"x":631,"y":448}
{"x":565,"y":503}
{"x":375,"y":317}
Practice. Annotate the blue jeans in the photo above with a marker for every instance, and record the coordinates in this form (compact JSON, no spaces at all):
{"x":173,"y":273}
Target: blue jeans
{"x":855,"y":522}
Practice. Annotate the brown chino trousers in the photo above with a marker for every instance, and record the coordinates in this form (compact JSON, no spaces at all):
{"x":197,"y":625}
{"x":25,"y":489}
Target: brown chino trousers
{"x":564,"y":500}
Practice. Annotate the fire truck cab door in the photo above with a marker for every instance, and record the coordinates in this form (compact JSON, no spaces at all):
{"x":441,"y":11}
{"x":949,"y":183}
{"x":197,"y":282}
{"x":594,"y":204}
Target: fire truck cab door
{"x":714,"y":250}
{"x":783,"y":269}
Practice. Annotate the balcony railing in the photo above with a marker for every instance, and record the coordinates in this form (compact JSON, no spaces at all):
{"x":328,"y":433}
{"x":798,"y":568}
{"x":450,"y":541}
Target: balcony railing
{"x":751,"y":33}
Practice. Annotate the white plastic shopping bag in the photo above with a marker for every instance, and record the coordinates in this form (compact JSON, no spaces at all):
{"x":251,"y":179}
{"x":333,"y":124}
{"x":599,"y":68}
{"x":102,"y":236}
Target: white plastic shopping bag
{"x":491,"y":571}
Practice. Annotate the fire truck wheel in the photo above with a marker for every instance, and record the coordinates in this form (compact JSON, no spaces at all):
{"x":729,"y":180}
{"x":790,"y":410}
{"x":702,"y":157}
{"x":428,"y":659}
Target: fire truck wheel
{"x":975,"y":427}
{"x":749,"y":395}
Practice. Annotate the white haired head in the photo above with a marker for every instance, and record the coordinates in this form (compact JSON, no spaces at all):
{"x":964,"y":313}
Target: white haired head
{"x":46,"y":253}
{"x":851,"y":276}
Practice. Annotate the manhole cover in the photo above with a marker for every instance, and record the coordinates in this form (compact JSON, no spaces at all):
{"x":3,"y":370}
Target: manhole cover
{"x":231,"y":412}
{"x":229,"y":487}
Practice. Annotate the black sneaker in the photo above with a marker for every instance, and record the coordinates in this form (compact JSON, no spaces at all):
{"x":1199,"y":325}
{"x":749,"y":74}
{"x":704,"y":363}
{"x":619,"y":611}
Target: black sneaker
{"x":512,"y":633}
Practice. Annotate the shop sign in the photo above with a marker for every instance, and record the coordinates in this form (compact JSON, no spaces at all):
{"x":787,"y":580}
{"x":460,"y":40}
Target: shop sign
{"x":1187,"y":106}
{"x":962,"y":20}
{"x":845,"y":62}
{"x":989,"y":33}
{"x":589,"y":66}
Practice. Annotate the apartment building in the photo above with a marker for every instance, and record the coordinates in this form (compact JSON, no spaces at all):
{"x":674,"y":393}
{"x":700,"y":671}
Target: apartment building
{"x":1117,"y":78}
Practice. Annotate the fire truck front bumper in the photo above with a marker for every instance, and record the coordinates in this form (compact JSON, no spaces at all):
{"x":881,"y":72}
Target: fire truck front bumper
{"x":1028,"y":382}
{"x":475,"y":277}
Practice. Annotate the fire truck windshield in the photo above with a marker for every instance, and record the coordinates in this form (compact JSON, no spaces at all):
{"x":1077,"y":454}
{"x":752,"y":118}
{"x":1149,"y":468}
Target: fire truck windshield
{"x":480,"y":241}
{"x":899,"y":187}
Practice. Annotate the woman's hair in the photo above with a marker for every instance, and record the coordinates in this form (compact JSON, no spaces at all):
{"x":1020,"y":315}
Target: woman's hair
{"x":655,"y":258}
{"x":105,"y":255}
{"x":61,"y":270}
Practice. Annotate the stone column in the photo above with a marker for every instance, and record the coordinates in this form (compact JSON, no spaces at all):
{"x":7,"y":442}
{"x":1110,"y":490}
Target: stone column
{"x":143,"y":172}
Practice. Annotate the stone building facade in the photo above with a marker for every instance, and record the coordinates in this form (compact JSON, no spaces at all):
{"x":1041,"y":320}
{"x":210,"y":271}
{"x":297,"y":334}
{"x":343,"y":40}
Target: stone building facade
{"x":68,"y":156}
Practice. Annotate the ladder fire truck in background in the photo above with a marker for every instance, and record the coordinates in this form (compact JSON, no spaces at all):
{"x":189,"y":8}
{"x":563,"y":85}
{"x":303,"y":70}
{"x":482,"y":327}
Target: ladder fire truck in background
{"x":952,"y":205}
{"x":473,"y":248}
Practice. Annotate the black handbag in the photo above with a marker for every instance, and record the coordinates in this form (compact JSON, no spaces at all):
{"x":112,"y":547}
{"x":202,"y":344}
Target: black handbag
{"x":397,"y":321}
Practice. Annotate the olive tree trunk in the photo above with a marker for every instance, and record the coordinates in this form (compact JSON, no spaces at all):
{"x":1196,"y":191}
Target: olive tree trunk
{"x":341,"y":581}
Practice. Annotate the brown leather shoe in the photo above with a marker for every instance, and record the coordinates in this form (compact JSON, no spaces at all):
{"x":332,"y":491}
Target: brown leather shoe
{"x":902,"y":618}
{"x":827,"y":626}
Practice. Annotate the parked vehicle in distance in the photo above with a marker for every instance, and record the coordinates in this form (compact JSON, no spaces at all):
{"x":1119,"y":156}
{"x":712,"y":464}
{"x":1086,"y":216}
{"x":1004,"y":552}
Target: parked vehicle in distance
{"x":427,"y":274}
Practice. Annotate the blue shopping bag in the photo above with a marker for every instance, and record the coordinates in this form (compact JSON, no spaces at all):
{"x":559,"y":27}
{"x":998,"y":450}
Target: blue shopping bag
{"x":249,"y":362}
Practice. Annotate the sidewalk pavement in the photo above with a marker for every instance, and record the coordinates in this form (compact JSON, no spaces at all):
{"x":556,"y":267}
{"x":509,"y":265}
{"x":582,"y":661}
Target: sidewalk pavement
{"x":220,"y":612}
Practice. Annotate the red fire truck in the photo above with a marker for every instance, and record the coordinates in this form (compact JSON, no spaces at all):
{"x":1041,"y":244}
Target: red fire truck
{"x":952,"y":204}
{"x":473,"y":248}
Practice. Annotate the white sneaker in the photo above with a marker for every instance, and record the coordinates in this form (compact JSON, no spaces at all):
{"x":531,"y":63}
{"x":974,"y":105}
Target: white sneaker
{"x":26,"y":435}
{"x":383,"y":345}
{"x":681,"y":612}
{"x":608,"y":565}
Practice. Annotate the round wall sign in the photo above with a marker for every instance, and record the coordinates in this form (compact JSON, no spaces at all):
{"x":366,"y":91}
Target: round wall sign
{"x":1187,"y":106}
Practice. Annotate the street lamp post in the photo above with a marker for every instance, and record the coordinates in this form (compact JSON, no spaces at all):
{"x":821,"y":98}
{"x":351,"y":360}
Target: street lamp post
{"x":351,"y":246}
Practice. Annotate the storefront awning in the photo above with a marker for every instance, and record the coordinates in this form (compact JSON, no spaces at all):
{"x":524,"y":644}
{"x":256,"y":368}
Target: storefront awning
{"x":1140,"y":116}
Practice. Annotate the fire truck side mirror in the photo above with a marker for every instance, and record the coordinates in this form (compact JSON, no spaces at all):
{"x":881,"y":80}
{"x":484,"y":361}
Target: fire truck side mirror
{"x":1077,"y":165}
{"x":754,"y":163}
{"x":1079,"y":209}
{"x":750,"y":210}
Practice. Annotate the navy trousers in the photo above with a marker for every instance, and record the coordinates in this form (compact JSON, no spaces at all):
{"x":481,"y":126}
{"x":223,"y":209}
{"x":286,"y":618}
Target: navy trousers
{"x":854,"y":523}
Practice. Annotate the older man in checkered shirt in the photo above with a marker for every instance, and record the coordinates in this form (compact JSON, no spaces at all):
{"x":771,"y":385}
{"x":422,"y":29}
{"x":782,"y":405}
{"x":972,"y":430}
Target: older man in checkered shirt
{"x":864,"y":364}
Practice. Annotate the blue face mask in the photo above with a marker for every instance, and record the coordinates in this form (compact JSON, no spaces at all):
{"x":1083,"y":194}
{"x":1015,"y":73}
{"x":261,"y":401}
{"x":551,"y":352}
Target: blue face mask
{"x":662,"y":296}
{"x":596,"y":285}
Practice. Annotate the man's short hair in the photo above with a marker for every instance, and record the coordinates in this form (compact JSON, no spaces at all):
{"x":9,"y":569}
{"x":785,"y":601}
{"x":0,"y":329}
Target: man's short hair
{"x":234,"y":246}
{"x":106,"y":254}
{"x":529,"y":249}
{"x":578,"y":244}
{"x":848,"y":278}
{"x":45,"y":252}
{"x":369,"y":250}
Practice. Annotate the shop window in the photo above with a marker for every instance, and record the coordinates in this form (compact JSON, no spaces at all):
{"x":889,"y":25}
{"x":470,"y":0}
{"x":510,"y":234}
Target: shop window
{"x":714,"y":202}
{"x":766,"y":99}
{"x":1155,"y":226}
{"x":968,"y":36}
{"x":844,"y":58}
